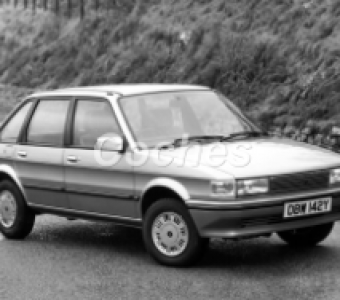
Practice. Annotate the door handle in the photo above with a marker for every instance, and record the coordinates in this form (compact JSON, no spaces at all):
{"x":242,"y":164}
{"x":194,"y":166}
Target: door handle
{"x":72,"y":159}
{"x":22,"y":153}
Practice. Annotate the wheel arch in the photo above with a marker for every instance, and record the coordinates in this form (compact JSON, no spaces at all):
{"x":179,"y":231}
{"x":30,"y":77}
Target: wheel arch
{"x":8,"y":173}
{"x":162,"y":188}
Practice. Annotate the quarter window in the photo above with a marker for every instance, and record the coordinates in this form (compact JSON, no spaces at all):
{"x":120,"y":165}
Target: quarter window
{"x":48,"y":123}
{"x":92,"y":120}
{"x":11,"y":131}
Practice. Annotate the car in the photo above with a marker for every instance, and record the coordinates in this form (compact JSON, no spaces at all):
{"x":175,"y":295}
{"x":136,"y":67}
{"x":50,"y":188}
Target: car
{"x":180,"y":162}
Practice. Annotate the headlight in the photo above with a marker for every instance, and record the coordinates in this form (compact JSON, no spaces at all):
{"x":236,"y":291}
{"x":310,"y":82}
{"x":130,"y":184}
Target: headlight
{"x":225,"y":189}
{"x":334,"y":177}
{"x":252,"y":186}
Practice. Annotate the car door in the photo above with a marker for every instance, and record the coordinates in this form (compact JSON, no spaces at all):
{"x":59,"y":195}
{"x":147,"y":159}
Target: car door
{"x":91,"y":186}
{"x":38,"y":157}
{"x":10,"y":132}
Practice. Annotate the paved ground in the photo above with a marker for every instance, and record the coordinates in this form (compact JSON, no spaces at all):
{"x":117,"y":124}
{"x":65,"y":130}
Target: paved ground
{"x":81,"y":260}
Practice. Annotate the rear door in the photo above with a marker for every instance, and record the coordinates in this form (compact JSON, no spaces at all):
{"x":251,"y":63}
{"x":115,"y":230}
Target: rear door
{"x":91,"y":186}
{"x":10,"y":132}
{"x":38,"y":158}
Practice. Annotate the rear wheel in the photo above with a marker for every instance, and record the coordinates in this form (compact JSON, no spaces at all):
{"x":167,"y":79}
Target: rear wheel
{"x":306,"y":237}
{"x":16,"y":219}
{"x":170,"y":235}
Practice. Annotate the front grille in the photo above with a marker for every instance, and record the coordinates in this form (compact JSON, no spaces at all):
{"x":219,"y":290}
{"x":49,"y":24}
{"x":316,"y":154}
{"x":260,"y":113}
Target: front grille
{"x":299,"y":182}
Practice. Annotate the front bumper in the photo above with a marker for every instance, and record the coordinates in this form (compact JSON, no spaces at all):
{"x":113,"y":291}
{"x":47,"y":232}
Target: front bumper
{"x":257,"y":218}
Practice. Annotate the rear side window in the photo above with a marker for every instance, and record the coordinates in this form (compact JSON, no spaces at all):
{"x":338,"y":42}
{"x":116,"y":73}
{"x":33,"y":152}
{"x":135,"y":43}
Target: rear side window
{"x":48,"y":123}
{"x":11,"y":131}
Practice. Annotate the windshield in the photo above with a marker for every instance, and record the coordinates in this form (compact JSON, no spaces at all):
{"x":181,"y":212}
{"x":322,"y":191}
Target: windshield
{"x":160,"y":118}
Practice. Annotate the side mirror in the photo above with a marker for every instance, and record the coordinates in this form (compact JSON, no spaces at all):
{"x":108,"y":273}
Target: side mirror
{"x":335,"y":132}
{"x":110,"y":143}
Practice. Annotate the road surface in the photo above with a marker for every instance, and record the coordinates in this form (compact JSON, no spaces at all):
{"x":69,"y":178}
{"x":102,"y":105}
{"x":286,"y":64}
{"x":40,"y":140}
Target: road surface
{"x":70,"y":260}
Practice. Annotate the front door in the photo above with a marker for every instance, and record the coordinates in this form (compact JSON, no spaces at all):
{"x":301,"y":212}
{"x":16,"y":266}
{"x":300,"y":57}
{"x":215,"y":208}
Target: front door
{"x":38,"y":158}
{"x":94,"y":187}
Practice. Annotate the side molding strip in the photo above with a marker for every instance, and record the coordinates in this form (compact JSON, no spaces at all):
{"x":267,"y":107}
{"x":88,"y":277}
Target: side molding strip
{"x":134,"y":222}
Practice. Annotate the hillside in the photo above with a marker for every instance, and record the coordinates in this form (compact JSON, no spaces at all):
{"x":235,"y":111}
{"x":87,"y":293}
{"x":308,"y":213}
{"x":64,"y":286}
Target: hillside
{"x":278,"y":59}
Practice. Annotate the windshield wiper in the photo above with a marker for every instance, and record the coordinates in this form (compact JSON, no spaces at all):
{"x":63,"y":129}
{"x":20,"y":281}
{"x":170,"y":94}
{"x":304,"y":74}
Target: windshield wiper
{"x":179,"y":142}
{"x":184,"y":141}
{"x":244,"y":134}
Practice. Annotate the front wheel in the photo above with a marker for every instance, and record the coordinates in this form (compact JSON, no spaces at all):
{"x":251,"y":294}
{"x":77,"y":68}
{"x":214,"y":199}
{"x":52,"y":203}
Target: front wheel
{"x":306,"y":237}
{"x":16,"y":219}
{"x":170,"y":235}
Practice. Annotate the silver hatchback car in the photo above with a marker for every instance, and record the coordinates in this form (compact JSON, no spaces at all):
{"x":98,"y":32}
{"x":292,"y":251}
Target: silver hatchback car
{"x":179,"y":161}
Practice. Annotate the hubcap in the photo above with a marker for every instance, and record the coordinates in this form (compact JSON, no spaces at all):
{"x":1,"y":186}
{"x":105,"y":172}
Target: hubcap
{"x":170,"y":234}
{"x":8,"y":209}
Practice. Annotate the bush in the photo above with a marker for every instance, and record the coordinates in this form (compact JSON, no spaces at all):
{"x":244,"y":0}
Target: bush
{"x":277,"y":70}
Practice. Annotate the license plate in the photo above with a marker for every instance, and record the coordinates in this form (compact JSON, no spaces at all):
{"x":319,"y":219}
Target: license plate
{"x":310,"y":207}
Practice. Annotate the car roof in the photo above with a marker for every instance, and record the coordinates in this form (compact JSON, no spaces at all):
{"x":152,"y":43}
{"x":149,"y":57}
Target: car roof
{"x":122,"y":89}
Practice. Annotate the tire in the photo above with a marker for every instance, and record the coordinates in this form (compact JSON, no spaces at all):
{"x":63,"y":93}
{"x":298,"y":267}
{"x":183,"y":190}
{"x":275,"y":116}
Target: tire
{"x":170,"y":235}
{"x":19,"y":223}
{"x":306,"y":237}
